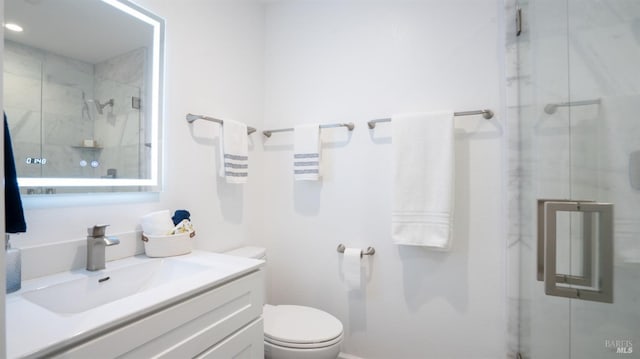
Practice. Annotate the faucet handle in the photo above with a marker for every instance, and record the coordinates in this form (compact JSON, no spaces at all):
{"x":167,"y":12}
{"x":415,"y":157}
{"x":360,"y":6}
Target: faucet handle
{"x":97,"y":230}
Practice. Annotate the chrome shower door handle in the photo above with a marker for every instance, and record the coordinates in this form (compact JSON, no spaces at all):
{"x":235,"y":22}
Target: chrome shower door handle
{"x":601,"y":289}
{"x":587,"y":245}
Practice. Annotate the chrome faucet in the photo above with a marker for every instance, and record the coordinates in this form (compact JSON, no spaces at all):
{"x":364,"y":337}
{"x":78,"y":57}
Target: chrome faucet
{"x":96,"y":243}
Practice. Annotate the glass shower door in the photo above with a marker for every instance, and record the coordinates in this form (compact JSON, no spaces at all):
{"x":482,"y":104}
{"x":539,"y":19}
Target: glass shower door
{"x":604,"y":53}
{"x":580,"y":142}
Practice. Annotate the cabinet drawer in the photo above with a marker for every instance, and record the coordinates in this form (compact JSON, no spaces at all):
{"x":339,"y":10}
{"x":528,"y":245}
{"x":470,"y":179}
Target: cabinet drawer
{"x":184,"y":329}
{"x":248,"y":343}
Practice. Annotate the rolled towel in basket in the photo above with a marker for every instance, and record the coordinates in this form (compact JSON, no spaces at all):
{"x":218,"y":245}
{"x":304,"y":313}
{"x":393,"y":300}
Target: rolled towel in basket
{"x":184,"y":227}
{"x":180,"y":215}
{"x":157,"y":223}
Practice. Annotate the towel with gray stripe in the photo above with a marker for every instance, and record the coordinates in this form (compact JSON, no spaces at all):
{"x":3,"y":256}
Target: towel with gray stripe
{"x":306,"y":152}
{"x":234,"y":152}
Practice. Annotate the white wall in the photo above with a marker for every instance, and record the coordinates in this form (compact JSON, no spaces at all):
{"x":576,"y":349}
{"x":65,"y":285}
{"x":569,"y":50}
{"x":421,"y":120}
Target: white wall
{"x":214,"y":66}
{"x":353,"y":61}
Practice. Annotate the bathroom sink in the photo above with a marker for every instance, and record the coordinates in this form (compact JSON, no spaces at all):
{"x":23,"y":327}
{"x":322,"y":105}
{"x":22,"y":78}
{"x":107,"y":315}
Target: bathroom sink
{"x":98,"y":288}
{"x":81,"y":305}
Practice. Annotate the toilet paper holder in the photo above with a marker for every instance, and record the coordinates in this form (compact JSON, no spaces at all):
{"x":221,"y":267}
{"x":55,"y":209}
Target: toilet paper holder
{"x":367,"y":252}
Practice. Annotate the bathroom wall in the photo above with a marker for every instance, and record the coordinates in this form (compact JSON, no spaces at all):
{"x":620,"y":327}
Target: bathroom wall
{"x":342,"y":61}
{"x":214,"y":66}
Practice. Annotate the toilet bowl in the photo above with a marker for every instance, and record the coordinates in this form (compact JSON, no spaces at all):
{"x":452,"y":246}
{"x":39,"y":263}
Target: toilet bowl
{"x":294,"y":331}
{"x":298,"y":332}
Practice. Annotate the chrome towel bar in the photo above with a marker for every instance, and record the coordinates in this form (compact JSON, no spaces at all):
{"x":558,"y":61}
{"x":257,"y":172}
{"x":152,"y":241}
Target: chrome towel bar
{"x":486,"y":114}
{"x":191,"y":118}
{"x":368,"y":252}
{"x":552,"y":107}
{"x":350,"y":126}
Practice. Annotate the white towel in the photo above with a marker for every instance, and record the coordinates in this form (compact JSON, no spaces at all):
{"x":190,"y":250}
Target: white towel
{"x":234,"y":152}
{"x":306,"y":152}
{"x":424,"y":160}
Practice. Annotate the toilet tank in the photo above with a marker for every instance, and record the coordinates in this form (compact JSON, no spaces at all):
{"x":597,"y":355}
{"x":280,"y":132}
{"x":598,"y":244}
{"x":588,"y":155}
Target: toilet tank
{"x":254,"y":253}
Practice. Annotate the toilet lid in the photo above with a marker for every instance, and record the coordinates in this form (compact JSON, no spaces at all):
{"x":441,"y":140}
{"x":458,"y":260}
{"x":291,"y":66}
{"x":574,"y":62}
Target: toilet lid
{"x":299,"y":325}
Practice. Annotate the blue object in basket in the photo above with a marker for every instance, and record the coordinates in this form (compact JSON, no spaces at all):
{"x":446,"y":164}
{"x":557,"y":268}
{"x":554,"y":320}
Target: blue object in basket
{"x":180,"y":215}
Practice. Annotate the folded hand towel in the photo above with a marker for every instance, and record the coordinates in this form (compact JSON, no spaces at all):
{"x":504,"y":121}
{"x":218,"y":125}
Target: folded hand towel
{"x":424,"y":159}
{"x":306,"y":152}
{"x":234,"y":152}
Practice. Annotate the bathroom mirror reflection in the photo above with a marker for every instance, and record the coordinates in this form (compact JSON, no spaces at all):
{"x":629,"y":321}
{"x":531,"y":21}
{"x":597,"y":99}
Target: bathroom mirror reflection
{"x":82,"y":94}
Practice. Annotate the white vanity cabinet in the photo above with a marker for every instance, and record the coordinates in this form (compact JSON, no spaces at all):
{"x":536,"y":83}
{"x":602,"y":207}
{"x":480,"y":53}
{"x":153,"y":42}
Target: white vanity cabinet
{"x":222,"y":322}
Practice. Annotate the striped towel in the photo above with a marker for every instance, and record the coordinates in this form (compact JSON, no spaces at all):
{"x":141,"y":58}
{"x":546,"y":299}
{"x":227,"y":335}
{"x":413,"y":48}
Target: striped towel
{"x":306,"y":153}
{"x":234,"y":152}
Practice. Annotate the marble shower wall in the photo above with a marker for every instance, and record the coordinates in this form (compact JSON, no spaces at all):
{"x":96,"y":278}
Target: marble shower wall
{"x":43,"y":102}
{"x":121,"y":128}
{"x":49,"y":101}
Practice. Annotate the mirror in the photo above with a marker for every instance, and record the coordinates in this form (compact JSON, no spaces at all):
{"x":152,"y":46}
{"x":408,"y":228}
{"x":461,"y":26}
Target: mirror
{"x":82,"y":94}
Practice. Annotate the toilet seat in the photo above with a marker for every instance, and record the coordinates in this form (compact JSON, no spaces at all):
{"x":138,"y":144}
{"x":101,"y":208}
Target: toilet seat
{"x":305,"y":346}
{"x":294,"y":326}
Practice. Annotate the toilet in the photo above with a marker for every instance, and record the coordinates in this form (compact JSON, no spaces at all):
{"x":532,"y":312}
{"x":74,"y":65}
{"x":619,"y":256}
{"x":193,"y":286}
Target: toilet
{"x":294,"y":331}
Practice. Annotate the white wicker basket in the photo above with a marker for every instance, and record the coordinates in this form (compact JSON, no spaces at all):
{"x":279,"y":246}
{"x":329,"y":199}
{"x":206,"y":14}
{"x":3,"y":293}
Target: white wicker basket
{"x":167,"y":245}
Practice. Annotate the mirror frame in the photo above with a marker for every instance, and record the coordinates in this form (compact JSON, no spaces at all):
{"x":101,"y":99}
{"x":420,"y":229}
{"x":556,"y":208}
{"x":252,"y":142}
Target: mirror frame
{"x":156,"y":111}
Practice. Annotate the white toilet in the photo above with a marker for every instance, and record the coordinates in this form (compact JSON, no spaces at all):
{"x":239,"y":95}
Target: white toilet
{"x":294,"y":331}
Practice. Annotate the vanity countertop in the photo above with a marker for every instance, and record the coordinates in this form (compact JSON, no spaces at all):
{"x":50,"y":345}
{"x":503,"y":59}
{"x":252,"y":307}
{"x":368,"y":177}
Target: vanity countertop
{"x":33,"y":330}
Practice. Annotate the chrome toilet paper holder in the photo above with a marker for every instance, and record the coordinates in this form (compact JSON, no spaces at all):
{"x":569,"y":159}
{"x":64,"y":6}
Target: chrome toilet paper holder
{"x":366,"y":252}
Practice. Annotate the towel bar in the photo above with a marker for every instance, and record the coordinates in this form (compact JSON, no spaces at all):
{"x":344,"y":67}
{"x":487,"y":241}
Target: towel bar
{"x":486,"y":114}
{"x":552,"y":107}
{"x":191,"y":118}
{"x":350,"y":126}
{"x":368,"y":252}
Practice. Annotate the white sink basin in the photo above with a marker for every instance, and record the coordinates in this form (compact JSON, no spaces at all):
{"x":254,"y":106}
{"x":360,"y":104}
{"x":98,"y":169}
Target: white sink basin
{"x":79,"y":295}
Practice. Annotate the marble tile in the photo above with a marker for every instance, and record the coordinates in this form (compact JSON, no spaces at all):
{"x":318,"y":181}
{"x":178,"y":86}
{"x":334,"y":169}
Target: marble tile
{"x":55,"y":110}
{"x":128,"y":68}
{"x":22,"y":92}
{"x":23,"y":61}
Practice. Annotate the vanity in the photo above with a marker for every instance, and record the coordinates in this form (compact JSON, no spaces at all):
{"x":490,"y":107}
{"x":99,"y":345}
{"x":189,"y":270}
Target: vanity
{"x":200,"y":305}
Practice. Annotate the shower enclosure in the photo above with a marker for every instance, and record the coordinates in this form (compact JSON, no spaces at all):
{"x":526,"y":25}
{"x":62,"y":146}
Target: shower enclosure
{"x":576,"y":162}
{"x":74,"y":119}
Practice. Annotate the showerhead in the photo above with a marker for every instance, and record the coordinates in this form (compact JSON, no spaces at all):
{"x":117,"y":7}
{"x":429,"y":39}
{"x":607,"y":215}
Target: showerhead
{"x":100,"y":107}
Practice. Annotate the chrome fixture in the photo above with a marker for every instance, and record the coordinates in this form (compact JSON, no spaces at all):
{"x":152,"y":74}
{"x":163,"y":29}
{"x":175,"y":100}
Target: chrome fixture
{"x":101,"y":106}
{"x":13,"y":266}
{"x":597,"y":250}
{"x":486,"y":114}
{"x":552,"y":107}
{"x":367,"y":252}
{"x":191,"y":118}
{"x":350,"y":126}
{"x":97,"y":241}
